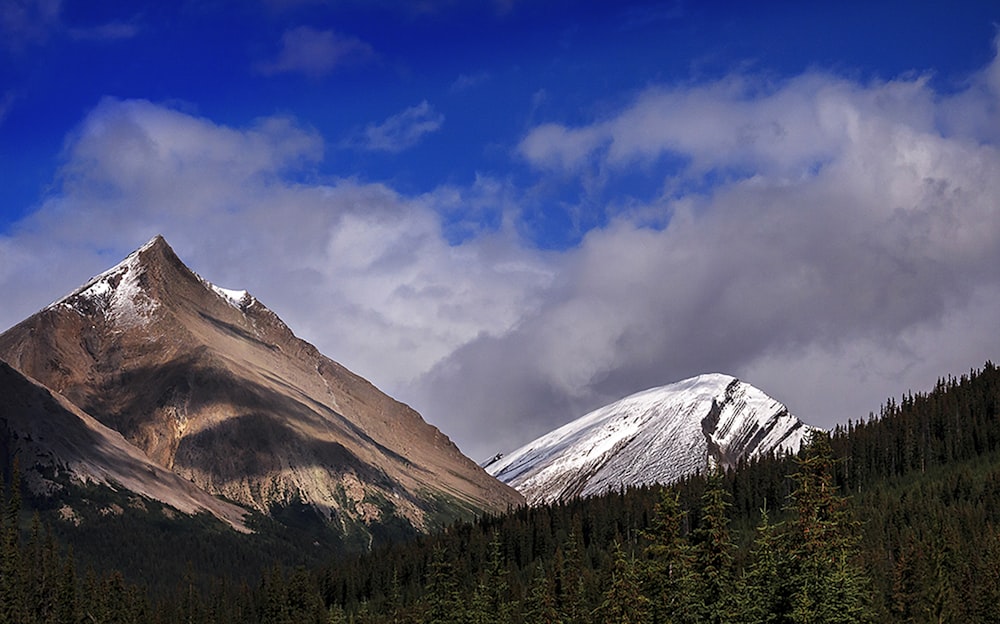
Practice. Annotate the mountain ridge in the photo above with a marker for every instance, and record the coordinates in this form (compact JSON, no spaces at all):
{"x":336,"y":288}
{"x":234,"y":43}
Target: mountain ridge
{"x":213,"y":386}
{"x":655,"y":436}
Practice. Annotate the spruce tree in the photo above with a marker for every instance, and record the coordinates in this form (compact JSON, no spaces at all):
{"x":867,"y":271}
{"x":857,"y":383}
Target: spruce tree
{"x":540,"y":605}
{"x":713,"y":555}
{"x":830,"y":586}
{"x":13,"y":608}
{"x":490,"y":601}
{"x":67,"y":611}
{"x":442,"y":601}
{"x":667,"y":581}
{"x":623,"y":602}
{"x":571,"y":593}
{"x":763,"y":591}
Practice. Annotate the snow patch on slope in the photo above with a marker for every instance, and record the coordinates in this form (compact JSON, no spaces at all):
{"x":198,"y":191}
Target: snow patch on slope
{"x":239,"y":299}
{"x":117,"y":292}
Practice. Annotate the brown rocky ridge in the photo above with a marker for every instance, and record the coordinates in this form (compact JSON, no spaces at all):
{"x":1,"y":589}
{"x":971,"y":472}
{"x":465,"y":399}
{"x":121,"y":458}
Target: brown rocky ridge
{"x":213,"y":387}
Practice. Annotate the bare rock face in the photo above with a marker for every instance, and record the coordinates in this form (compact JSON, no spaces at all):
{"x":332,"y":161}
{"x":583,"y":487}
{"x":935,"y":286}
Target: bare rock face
{"x":214,"y":387}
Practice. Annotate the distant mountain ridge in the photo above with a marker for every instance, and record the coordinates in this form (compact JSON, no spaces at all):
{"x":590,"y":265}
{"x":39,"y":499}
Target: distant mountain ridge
{"x":655,"y":436}
{"x":210,"y":385}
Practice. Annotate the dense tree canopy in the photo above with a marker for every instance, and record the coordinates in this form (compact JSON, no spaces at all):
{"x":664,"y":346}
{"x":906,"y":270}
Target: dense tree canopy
{"x":894,"y":518}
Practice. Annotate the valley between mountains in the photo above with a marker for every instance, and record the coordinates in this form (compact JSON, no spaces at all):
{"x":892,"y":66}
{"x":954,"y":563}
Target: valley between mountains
{"x":200,"y":397}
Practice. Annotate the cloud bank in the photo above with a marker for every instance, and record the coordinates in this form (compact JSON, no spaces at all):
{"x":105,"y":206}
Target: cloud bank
{"x":839,"y":245}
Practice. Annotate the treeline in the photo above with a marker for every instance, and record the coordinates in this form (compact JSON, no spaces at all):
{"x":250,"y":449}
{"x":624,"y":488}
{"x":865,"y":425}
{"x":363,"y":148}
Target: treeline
{"x":635,"y":556}
{"x":39,"y":583}
{"x":891,"y":519}
{"x":956,"y":422}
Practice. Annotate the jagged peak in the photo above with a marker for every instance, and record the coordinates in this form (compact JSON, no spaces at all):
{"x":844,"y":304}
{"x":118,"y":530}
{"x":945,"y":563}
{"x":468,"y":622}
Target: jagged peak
{"x":133,"y":260}
{"x":156,"y":241}
{"x":119,"y":291}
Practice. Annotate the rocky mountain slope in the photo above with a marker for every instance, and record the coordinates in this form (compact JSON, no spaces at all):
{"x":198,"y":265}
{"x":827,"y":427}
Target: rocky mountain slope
{"x":212,"y":386}
{"x":47,"y":433}
{"x":655,"y":436}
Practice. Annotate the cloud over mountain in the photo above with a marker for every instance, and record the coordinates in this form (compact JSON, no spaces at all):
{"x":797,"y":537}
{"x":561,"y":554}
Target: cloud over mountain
{"x":819,"y":236}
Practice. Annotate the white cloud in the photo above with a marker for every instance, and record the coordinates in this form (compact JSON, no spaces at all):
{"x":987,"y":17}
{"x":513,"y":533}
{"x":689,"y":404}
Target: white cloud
{"x":364,"y":273}
{"x":554,"y":146}
{"x":973,"y":113}
{"x":316,"y":53}
{"x":853,"y":257}
{"x":402,"y":130}
{"x":735,"y":123}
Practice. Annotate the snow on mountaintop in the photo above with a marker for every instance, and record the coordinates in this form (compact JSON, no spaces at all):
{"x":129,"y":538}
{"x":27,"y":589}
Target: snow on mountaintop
{"x":117,"y":292}
{"x":216,"y":387}
{"x":120,"y":295}
{"x":236,"y":298}
{"x":654,"y":436}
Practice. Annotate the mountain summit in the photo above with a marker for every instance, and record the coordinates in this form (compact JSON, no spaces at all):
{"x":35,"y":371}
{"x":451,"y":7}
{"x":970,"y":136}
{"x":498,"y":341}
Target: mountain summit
{"x":655,"y":436}
{"x":211,"y":385}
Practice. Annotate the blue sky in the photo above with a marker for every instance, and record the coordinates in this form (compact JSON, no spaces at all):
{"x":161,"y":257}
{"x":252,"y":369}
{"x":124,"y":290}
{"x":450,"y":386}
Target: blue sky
{"x":506,"y":212}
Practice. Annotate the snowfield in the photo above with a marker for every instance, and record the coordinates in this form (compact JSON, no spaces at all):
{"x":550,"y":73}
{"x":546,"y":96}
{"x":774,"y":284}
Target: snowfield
{"x":654,"y":436}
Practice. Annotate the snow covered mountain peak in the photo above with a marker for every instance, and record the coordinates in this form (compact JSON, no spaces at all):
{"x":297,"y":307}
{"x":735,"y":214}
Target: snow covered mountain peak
{"x":654,"y":436}
{"x":118,"y":292}
{"x":125,"y":293}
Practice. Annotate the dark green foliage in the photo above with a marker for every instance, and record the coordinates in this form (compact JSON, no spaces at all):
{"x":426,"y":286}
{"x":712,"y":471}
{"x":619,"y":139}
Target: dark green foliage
{"x":491,"y":599}
{"x":540,"y":604}
{"x":763,"y":593}
{"x":827,"y":583}
{"x":894,"y":519}
{"x":623,"y":601}
{"x":669,"y":582}
{"x":442,"y":598}
{"x":713,"y":557}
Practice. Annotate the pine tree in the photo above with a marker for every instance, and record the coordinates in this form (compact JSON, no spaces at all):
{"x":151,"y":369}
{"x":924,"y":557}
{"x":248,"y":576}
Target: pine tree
{"x":829,"y":586}
{"x":490,"y":602}
{"x":13,"y":608}
{"x":540,"y":605}
{"x":623,"y":602}
{"x":713,"y":555}
{"x":667,"y":581}
{"x":443,"y":605}
{"x":394,"y":598}
{"x":763,"y":590}
{"x":571,"y":594}
{"x":336,"y":615}
{"x":67,"y":611}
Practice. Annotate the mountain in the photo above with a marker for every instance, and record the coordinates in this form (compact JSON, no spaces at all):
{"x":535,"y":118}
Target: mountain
{"x":48,"y":433}
{"x":210,"y":385}
{"x":655,"y":436}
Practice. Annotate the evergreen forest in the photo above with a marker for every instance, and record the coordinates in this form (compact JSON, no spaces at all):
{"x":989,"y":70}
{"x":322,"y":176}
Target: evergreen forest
{"x":890,"y":518}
